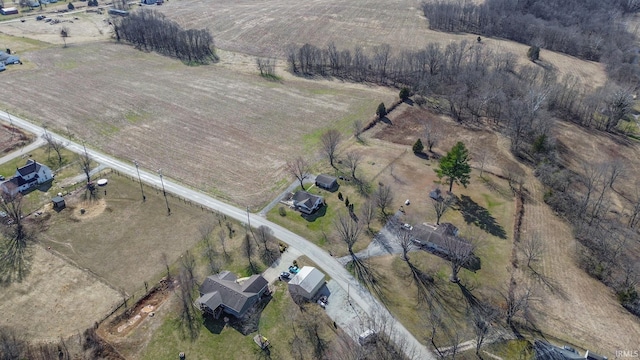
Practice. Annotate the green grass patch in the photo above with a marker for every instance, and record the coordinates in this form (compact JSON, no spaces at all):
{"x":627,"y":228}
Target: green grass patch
{"x":512,"y":349}
{"x":318,"y":228}
{"x":280,"y":320}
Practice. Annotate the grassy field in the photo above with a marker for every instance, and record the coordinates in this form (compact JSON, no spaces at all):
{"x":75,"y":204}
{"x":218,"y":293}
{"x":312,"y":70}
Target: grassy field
{"x":278,"y":322}
{"x":120,"y":238}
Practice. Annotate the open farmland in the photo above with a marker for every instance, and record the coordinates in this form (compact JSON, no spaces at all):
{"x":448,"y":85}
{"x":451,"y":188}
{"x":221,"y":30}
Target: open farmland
{"x":228,"y":133}
{"x":250,"y":27}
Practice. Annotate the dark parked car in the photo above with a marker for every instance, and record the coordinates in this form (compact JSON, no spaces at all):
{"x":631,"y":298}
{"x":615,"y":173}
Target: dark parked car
{"x":285,"y":275}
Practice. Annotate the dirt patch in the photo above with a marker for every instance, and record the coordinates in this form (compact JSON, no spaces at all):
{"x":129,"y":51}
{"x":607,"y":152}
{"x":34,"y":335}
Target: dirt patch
{"x":85,"y":210}
{"x":121,"y":325}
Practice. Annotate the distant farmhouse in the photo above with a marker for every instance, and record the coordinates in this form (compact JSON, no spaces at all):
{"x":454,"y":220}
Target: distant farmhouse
{"x":223,"y":293}
{"x":27,"y":177}
{"x":307,"y":203}
{"x":8,"y":59}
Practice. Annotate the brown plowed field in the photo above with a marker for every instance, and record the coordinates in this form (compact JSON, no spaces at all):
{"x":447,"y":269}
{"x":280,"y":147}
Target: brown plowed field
{"x":225,"y":132}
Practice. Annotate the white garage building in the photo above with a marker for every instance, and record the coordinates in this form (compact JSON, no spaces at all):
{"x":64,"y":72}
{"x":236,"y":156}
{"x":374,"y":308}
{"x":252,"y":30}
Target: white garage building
{"x":306,"y":283}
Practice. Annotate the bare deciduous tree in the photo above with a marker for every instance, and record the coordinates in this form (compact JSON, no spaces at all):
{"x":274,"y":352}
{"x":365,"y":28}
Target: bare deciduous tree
{"x":329,"y":142}
{"x":348,"y":230}
{"x":358,"y":128}
{"x":84,"y":161}
{"x":299,"y":168}
{"x":247,"y":249}
{"x":615,"y":169}
{"x":441,"y":204}
{"x":352,"y":161}
{"x":54,"y":144}
{"x":265,"y":237}
{"x":459,"y":253}
{"x":383,"y":198}
{"x":432,"y":135}
{"x":222,"y":237}
{"x":368,"y":212}
{"x":533,"y":248}
{"x":482,"y":319}
{"x":516,"y":301}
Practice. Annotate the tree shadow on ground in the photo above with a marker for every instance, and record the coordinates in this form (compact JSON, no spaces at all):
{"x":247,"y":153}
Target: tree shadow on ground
{"x":367,"y":277}
{"x":315,"y":215}
{"x":15,"y":260}
{"x":473,"y":302}
{"x":386,"y":120}
{"x":479,"y":216}
{"x":249,"y":322}
{"x":215,"y":326}
{"x":548,"y":283}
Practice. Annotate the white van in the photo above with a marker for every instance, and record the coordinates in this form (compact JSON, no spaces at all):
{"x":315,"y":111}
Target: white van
{"x":367,"y":337}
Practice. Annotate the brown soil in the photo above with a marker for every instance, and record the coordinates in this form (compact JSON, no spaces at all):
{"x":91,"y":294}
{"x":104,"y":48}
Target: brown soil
{"x":120,"y":325}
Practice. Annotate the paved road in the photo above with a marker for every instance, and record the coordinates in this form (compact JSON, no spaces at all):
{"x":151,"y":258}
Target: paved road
{"x":22,"y":151}
{"x":358,"y":294}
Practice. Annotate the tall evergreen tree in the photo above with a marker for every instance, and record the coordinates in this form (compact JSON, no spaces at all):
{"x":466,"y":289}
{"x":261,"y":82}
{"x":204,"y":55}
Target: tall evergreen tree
{"x":455,"y":166}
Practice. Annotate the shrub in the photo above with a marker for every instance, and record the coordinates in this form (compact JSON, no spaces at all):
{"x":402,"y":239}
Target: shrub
{"x":404,"y":94}
{"x":418,"y":148}
{"x":282,"y":211}
{"x":70,"y":6}
{"x":381,"y":111}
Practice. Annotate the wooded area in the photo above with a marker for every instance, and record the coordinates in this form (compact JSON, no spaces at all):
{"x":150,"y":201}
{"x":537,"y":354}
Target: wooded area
{"x":150,"y":31}
{"x":591,"y":30}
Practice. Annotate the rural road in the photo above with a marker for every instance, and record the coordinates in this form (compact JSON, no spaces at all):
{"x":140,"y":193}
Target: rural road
{"x":330,"y":265}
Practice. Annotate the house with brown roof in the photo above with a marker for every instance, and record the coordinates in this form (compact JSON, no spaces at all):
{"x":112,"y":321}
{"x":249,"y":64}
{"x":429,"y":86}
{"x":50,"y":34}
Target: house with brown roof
{"x":27,"y":177}
{"x":225,"y":293}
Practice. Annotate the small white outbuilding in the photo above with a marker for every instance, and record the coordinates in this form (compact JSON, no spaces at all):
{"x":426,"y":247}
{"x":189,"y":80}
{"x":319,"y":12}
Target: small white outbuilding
{"x":306,"y":282}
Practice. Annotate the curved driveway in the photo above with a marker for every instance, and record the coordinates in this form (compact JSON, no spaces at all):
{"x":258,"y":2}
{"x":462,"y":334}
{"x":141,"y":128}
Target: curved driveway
{"x":330,"y":265}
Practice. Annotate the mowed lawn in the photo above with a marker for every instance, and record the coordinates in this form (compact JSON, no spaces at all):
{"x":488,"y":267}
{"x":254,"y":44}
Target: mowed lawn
{"x":279,"y":321}
{"x":226,"y":131}
{"x":122,"y":239}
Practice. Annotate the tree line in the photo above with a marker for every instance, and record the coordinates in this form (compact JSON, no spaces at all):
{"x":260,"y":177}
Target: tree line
{"x":592,"y":30}
{"x":472,"y":83}
{"x":151,"y":31}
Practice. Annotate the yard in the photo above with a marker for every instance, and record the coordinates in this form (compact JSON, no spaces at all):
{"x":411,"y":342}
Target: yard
{"x":319,"y":226}
{"x":279,"y":323}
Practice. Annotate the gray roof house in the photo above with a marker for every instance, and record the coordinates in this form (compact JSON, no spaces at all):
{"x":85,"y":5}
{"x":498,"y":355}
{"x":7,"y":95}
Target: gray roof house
{"x":443,"y":240}
{"x":326,"y":182}
{"x":306,"y":283}
{"x":26,"y":177}
{"x":8,"y":58}
{"x":223,"y":293}
{"x":307,"y":203}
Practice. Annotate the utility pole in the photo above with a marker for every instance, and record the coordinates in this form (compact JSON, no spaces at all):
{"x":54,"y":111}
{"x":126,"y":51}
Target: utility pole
{"x":144,"y":198}
{"x":164,"y":192}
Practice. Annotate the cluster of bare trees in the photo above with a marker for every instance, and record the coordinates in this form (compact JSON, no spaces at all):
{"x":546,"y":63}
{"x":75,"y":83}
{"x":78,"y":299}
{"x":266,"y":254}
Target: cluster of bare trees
{"x":592,"y":30}
{"x":474,"y":84}
{"x":151,"y":31}
{"x":585,"y":199}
